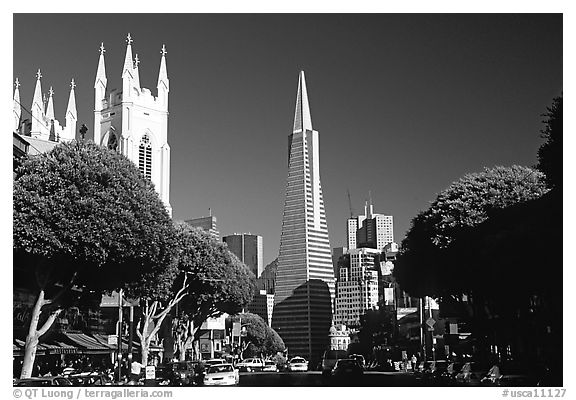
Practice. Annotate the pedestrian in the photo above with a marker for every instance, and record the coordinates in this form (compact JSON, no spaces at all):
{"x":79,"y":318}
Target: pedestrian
{"x":68,"y":369}
{"x":135,"y":371}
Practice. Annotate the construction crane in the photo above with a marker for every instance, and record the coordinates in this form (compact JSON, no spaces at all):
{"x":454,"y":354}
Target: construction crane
{"x":350,"y":203}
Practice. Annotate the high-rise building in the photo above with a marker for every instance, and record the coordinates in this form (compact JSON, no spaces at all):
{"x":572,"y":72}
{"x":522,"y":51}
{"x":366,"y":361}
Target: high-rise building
{"x":370,"y":230}
{"x":206,"y":223}
{"x":357,"y":287}
{"x":248,"y":248}
{"x":134,"y":122}
{"x":305,"y":278}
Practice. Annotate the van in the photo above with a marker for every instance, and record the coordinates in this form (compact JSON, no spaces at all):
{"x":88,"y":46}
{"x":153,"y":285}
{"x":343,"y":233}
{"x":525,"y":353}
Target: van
{"x":329,"y":359}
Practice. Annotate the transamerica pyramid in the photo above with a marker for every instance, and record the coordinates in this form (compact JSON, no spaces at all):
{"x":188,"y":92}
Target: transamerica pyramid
{"x":304,"y":289}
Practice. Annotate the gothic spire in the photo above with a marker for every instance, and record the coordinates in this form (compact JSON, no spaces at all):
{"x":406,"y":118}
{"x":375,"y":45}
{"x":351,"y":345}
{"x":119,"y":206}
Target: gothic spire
{"x":302,"y":118}
{"x":128,"y":63}
{"x":163,"y":74}
{"x":17,"y":106}
{"x":37,"y":99}
{"x":136,"y":71}
{"x":71,"y":110}
{"x":50,"y":106}
{"x":101,"y":73}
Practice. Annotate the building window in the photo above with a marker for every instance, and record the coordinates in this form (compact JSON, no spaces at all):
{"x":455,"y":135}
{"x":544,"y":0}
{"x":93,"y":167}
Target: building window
{"x":145,"y":157}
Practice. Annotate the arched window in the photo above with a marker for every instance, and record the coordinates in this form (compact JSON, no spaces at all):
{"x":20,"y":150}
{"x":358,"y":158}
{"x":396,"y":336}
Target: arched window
{"x":145,"y":156}
{"x":112,"y":141}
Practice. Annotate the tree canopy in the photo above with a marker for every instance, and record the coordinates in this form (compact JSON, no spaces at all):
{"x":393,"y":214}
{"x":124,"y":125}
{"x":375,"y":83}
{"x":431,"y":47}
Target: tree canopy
{"x":84,"y":215}
{"x":259,"y":338}
{"x":84,"y":210}
{"x":218,"y":281}
{"x":550,"y":152}
{"x":424,"y":266}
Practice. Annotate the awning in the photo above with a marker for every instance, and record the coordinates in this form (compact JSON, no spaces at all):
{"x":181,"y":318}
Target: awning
{"x":89,"y":345}
{"x":113,"y":347}
{"x":52,"y":347}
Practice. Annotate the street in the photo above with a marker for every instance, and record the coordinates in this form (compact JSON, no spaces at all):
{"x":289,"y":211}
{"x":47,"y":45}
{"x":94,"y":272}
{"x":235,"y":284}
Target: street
{"x":315,"y":378}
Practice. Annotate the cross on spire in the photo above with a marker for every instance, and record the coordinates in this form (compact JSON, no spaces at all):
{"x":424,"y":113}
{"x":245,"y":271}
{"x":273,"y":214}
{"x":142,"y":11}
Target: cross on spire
{"x":38,"y":74}
{"x":72,"y":84}
{"x":102,"y":49}
{"x":136,"y":61}
{"x":17,"y":83}
{"x":163,"y":51}
{"x":129,"y":39}
{"x":51,"y":92}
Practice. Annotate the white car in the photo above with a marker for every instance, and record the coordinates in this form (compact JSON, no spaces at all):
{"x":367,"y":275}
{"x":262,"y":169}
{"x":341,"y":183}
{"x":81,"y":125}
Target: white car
{"x":297,"y":364}
{"x":270,"y":366}
{"x":220,"y":375}
{"x":251,"y":364}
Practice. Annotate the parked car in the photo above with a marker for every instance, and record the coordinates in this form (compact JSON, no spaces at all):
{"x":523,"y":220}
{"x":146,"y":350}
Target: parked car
{"x":90,"y":379}
{"x":360,"y":359}
{"x":214,"y":361}
{"x":221,"y":374}
{"x":347,"y":368}
{"x":251,"y":364}
{"x":329,"y":359}
{"x":184,"y":372}
{"x":297,"y":364}
{"x":44,"y":381}
{"x":270,"y":366}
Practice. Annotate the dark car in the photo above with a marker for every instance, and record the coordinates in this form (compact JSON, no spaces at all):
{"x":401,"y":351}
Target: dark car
{"x":90,"y":379}
{"x":184,"y":372}
{"x":347,"y":368}
{"x":44,"y":381}
{"x":329,"y":360}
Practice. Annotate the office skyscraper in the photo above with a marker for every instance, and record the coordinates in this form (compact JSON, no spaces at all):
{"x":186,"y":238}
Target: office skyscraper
{"x":370,"y":230}
{"x":305,"y":277}
{"x":248,"y":248}
{"x":206,"y":223}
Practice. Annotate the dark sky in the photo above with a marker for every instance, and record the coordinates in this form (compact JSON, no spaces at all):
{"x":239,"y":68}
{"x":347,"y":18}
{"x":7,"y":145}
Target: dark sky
{"x":404,"y":103}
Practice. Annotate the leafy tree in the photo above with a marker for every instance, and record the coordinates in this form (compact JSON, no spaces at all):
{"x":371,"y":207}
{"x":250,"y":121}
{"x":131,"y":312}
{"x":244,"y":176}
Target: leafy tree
{"x":424,"y":266}
{"x":217,"y":282}
{"x":259,"y":338}
{"x":85,"y":216}
{"x":550,"y":153}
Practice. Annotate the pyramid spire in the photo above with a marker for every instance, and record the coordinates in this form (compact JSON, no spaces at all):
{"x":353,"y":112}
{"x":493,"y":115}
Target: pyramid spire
{"x":50,"y":106}
{"x":101,"y":72}
{"x":17,"y":106}
{"x":302,"y":118}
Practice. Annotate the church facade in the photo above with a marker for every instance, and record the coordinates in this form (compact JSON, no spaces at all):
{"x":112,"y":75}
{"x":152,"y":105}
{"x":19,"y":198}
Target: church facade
{"x":133,"y":121}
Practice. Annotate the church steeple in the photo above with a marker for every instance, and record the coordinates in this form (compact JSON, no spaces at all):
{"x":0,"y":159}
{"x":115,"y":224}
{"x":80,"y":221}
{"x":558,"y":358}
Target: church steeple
{"x":302,"y":118}
{"x":128,"y":81}
{"x":50,"y":106}
{"x":39,"y":129}
{"x":17,"y":106}
{"x":101,"y":81}
{"x":128,"y":63}
{"x":163,"y":82}
{"x":99,"y":94}
{"x":69,"y":132}
{"x":136,"y":71}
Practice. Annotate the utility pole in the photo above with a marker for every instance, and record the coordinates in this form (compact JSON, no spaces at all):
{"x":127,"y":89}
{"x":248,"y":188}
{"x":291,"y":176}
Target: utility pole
{"x":422,"y":331}
{"x":120,"y":300}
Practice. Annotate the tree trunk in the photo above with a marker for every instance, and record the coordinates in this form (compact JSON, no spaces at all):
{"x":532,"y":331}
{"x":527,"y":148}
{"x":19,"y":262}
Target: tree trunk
{"x":32,"y":338}
{"x":145,"y":350}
